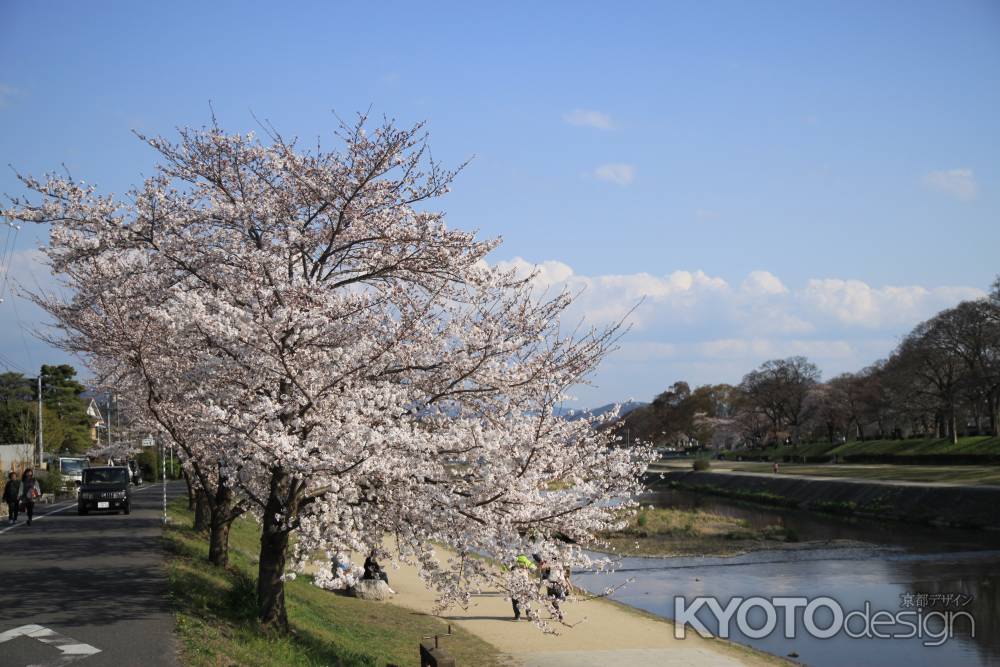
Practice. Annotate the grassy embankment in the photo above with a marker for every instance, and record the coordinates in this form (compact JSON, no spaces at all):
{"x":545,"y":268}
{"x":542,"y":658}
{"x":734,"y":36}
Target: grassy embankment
{"x":971,"y":475}
{"x":884,"y":451}
{"x":678,"y":532}
{"x":216,"y":625}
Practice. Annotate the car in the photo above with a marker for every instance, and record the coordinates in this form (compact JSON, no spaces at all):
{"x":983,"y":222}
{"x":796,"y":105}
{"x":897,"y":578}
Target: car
{"x":105,"y":489}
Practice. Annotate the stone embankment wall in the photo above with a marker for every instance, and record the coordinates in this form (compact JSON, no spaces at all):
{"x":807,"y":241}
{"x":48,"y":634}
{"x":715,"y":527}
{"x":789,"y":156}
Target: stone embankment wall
{"x":964,"y":506}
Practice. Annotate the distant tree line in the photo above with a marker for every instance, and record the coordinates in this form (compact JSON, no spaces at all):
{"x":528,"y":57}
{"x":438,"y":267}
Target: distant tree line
{"x":941,"y":381}
{"x":65,"y":424}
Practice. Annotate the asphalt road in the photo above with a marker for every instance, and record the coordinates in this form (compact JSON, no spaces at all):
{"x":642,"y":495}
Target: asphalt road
{"x":72,"y":585}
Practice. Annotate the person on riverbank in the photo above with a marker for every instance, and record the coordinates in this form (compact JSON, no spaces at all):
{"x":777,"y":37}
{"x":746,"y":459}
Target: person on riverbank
{"x":522,"y":570}
{"x":373,"y":570}
{"x":556,"y":580}
{"x":30,"y":492}
{"x":12,"y":496}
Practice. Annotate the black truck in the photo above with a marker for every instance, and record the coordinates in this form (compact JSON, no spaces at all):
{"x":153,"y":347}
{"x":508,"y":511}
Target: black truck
{"x":105,"y":489}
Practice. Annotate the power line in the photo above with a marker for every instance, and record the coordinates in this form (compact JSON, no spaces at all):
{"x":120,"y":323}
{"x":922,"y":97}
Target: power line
{"x":11,"y":366}
{"x":20,"y":326}
{"x":5,"y":258}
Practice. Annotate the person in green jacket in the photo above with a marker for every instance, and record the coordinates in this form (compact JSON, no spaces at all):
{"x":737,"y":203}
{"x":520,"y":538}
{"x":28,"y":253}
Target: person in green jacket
{"x":11,"y":496}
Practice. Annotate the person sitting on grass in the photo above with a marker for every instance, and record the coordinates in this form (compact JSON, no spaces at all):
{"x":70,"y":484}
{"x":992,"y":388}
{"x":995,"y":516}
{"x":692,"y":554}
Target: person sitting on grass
{"x":374,"y":571}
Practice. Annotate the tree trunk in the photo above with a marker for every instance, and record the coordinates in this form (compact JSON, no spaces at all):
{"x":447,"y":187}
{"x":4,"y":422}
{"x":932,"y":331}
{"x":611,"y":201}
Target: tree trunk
{"x":218,"y":540}
{"x":190,"y":490}
{"x":222,"y":518}
{"x":280,"y":513}
{"x":994,"y":415}
{"x":953,"y":427}
{"x":201,"y":511}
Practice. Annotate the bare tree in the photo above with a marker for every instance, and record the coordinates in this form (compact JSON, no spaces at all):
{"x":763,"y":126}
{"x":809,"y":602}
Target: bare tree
{"x":778,"y":388}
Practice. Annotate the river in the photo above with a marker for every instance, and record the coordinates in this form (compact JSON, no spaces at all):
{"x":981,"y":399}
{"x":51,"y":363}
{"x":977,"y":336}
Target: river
{"x":898,"y":564}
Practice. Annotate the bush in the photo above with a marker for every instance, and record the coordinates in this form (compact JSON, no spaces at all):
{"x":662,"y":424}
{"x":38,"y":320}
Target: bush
{"x":50,"y":481}
{"x":149,"y":464}
{"x":702,"y":464}
{"x":641,"y":520}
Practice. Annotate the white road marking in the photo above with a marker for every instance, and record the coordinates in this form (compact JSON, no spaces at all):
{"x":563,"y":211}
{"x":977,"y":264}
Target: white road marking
{"x":71,"y":649}
{"x":39,"y":516}
{"x":63,"y":507}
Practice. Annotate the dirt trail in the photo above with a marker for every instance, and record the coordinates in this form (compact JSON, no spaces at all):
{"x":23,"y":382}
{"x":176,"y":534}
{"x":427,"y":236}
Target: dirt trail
{"x":603,"y":633}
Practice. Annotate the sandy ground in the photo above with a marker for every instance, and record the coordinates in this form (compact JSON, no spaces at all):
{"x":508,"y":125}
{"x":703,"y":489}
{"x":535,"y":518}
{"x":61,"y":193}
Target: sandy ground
{"x":603,"y":633}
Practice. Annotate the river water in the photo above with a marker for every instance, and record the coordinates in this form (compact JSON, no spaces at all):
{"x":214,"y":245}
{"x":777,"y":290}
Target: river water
{"x":898,"y":564}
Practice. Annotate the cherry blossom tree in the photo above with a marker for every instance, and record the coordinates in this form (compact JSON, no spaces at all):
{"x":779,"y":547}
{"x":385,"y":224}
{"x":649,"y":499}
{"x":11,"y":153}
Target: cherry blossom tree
{"x":345,"y":364}
{"x":117,"y":320}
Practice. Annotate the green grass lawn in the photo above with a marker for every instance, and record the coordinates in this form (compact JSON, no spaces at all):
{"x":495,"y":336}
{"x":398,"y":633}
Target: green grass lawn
{"x":216,"y":614}
{"x":681,"y":532}
{"x":972,"y":475}
{"x":980,"y":445}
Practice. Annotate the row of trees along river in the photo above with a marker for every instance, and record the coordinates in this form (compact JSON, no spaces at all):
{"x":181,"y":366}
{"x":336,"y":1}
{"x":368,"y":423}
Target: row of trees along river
{"x":942,"y":381}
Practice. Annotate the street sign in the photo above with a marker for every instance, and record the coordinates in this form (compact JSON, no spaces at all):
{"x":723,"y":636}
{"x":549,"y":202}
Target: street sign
{"x":148,"y":442}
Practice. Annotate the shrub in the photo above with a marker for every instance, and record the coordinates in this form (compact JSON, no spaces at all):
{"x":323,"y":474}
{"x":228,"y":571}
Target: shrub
{"x":641,"y":520}
{"x":50,"y":481}
{"x":702,"y":464}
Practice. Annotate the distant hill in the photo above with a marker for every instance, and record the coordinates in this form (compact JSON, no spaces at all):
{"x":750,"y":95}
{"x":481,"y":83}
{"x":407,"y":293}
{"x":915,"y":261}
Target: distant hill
{"x":572,"y":414}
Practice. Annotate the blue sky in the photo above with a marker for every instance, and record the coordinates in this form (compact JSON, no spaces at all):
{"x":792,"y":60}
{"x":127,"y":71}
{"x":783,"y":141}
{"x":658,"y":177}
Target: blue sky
{"x":774,"y":178}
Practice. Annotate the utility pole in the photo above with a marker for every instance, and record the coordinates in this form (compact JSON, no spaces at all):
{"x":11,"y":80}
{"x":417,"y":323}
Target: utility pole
{"x":41,"y":441}
{"x":110,"y":396}
{"x":163,"y":461}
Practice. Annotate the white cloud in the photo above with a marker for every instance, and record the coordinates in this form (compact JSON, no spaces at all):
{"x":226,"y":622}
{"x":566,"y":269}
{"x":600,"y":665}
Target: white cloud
{"x":7,"y":94}
{"x":605,"y":299}
{"x":741,"y":348}
{"x":763,"y":283}
{"x":589,"y":118}
{"x":689,"y":325}
{"x":958,"y":183}
{"x":857,"y":304}
{"x":29,"y":271}
{"x":618,"y":173}
{"x":645,"y":351}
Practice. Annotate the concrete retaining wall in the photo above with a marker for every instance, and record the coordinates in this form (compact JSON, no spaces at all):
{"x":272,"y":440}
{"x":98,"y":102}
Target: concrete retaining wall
{"x":964,"y":506}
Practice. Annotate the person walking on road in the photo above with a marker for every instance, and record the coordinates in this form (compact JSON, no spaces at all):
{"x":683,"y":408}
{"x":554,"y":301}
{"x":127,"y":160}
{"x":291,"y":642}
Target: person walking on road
{"x":30,"y":491}
{"x":12,"y":496}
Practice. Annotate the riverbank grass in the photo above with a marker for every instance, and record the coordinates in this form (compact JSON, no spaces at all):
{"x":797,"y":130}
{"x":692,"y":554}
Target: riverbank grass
{"x":680,"y":532}
{"x":908,"y":451}
{"x":215,"y":610}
